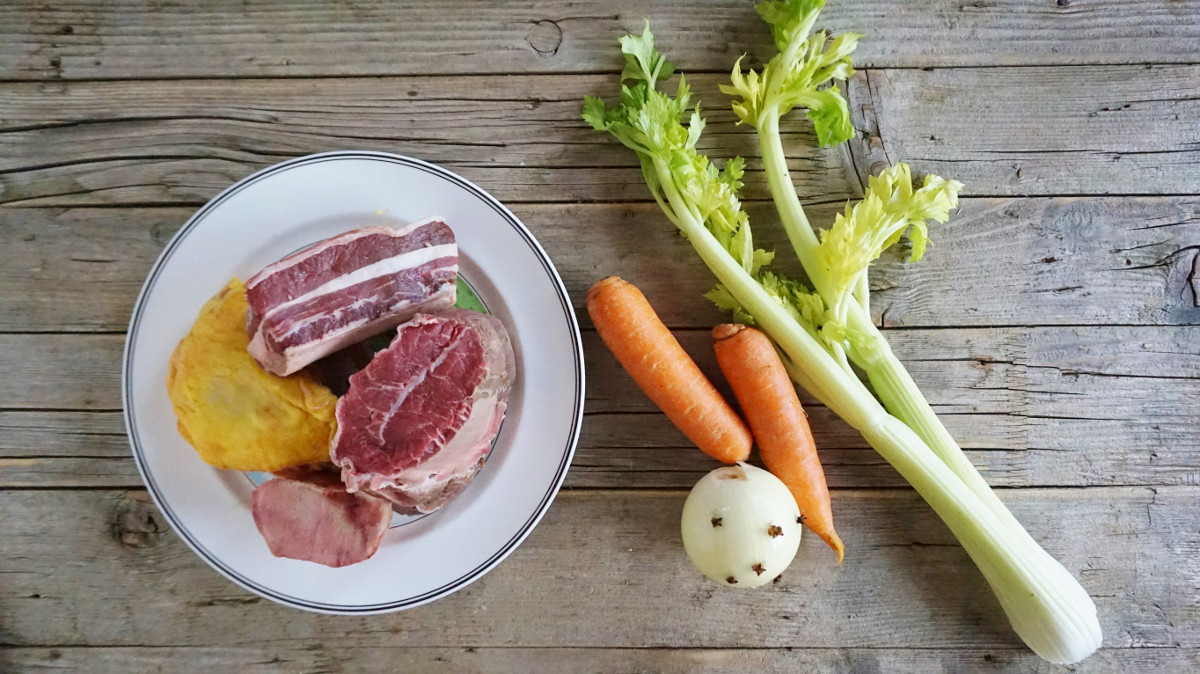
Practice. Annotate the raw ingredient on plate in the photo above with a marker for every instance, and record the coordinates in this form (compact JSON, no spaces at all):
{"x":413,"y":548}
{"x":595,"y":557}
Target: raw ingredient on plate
{"x":767,"y":397}
{"x":741,"y":526}
{"x":418,"y":422}
{"x":819,"y":332}
{"x":653,"y":357}
{"x":314,"y":519}
{"x":336,"y":369}
{"x":310,"y":472}
{"x":420,"y":409}
{"x":234,"y":413}
{"x":347,"y":288}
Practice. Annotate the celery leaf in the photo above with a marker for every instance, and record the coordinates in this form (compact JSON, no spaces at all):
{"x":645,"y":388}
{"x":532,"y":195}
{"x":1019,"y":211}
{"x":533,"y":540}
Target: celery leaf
{"x":651,"y":122}
{"x":797,"y":76}
{"x":643,"y":63}
{"x":789,"y":19}
{"x":889,"y":208}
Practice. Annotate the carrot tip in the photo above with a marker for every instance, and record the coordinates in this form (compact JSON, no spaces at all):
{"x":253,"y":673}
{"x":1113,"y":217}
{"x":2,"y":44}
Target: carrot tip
{"x":604,"y":283}
{"x":835,"y":542}
{"x":727,"y":330}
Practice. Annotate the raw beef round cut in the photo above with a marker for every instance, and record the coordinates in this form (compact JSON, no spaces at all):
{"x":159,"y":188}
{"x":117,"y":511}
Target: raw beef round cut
{"x":418,"y":421}
{"x":316,"y":520}
{"x":347,"y":288}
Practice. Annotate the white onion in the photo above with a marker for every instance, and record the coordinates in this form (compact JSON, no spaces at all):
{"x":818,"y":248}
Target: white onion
{"x":741,"y":526}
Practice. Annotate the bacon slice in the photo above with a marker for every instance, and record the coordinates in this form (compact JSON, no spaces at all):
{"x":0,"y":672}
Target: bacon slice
{"x":347,"y":288}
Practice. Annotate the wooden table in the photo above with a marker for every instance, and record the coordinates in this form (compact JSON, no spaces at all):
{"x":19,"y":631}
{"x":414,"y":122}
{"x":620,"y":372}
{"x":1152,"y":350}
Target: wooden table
{"x":1054,"y":323}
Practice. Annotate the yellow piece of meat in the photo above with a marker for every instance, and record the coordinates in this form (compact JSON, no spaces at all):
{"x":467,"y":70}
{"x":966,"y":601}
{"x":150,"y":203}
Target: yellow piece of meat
{"x":233,"y":412}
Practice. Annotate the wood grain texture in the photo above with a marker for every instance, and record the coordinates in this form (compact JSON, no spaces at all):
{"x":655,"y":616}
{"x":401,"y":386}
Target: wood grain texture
{"x":521,"y":137}
{"x":470,"y":660}
{"x":1033,"y":407}
{"x":1002,"y":132}
{"x":1052,"y":327}
{"x":1039,"y":131}
{"x":998,"y":262}
{"x":130,"y":39}
{"x":905,"y":582}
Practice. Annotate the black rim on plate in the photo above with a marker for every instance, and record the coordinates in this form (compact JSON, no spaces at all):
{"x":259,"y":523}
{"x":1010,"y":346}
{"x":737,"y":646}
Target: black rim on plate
{"x":486,"y":565}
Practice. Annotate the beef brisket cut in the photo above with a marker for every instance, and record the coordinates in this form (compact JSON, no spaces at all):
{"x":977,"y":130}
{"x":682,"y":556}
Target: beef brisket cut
{"x":347,"y":288}
{"x":418,"y":421}
{"x":315,"y":519}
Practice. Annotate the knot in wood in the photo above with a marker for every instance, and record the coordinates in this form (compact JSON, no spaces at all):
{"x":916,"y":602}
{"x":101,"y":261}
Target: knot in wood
{"x":545,"y":37}
{"x":137,"y":523}
{"x":162,"y":232}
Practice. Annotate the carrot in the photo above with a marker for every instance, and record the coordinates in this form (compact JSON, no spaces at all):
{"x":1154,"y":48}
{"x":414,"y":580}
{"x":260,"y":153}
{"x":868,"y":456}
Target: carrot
{"x":768,"y":399}
{"x":652,"y":356}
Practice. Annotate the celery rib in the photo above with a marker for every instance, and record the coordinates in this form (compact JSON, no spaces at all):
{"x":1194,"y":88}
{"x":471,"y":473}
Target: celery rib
{"x":820,"y":333}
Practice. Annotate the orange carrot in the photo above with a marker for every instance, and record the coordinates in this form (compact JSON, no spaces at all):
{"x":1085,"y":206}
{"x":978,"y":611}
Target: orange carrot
{"x":652,"y":356}
{"x":768,"y":399}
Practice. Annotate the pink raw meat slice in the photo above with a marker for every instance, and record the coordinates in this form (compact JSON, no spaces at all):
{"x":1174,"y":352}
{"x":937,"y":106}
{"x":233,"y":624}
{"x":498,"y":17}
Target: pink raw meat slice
{"x":347,"y":288}
{"x":317,"y":520}
{"x":418,"y":421}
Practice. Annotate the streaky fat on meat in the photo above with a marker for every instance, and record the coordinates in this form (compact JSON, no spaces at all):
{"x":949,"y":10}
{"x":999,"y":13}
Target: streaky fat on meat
{"x":347,"y":288}
{"x":417,"y":423}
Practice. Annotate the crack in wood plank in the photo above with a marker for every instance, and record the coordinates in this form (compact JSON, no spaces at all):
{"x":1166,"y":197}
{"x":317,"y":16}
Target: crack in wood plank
{"x":280,"y":40}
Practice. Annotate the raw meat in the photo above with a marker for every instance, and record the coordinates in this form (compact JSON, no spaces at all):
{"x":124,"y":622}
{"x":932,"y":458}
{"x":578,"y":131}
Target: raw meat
{"x":418,"y":422}
{"x":315,"y":519}
{"x":334,"y":371}
{"x":347,"y":288}
{"x":324,"y":474}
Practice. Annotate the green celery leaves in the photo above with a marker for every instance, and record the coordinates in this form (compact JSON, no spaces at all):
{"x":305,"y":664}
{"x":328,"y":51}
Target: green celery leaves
{"x":794,"y":76}
{"x":889,"y":208}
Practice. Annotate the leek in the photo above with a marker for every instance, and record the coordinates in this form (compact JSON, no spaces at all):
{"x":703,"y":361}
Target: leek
{"x":820,"y":333}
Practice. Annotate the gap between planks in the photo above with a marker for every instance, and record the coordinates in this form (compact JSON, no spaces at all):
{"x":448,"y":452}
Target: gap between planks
{"x":563,"y":73}
{"x":693,"y":328}
{"x":40,"y":203}
{"x":675,"y":491}
{"x":504,"y":647}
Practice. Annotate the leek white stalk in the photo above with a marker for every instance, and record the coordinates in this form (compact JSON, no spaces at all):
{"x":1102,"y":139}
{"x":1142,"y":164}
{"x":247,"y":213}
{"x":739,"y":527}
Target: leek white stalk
{"x":816,"y":332}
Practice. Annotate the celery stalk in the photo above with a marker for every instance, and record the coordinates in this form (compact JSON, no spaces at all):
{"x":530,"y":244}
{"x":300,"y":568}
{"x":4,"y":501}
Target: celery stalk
{"x":818,"y":332}
{"x":762,"y":107}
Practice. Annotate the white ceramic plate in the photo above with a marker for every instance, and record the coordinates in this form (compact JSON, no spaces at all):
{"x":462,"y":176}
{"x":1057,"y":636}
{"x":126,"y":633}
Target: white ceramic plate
{"x":287,"y":207}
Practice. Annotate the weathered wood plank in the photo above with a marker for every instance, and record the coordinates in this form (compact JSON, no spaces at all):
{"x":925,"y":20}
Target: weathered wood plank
{"x":62,"y":433}
{"x":1091,"y":457}
{"x":305,"y":660}
{"x":139,"y":39}
{"x":905,"y":582}
{"x":1033,"y":407}
{"x":58,"y":371}
{"x":125,"y":142}
{"x":1041,"y":131}
{"x":963,"y":370}
{"x":182,"y":141}
{"x":998,"y":262}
